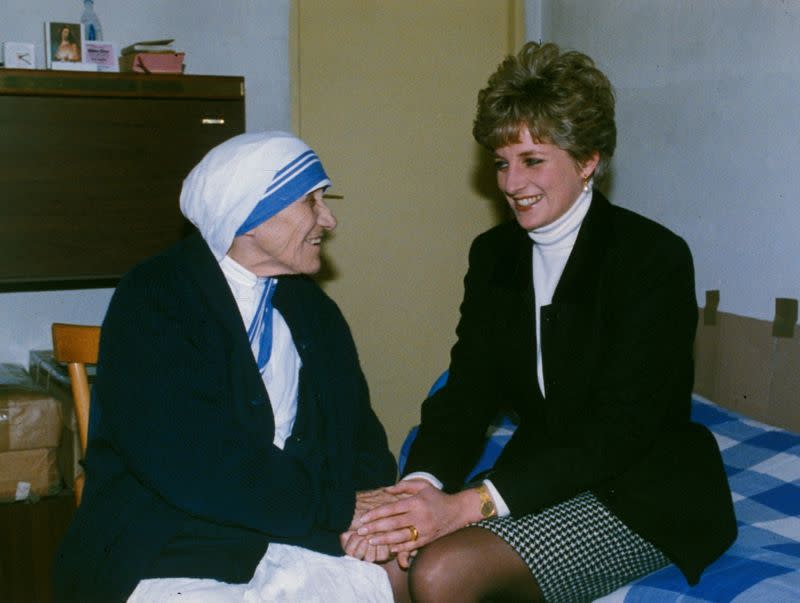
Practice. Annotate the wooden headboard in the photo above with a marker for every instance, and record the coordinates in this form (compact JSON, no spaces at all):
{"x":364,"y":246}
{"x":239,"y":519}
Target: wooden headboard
{"x":741,"y":364}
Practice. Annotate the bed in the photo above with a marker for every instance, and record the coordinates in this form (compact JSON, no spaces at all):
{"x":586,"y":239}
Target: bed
{"x":763,"y":467}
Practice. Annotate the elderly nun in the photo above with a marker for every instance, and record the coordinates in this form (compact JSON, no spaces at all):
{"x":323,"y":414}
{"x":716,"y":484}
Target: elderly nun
{"x":230,"y":425}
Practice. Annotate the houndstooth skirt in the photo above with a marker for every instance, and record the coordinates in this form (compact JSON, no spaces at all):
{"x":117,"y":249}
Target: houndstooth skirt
{"x":578,"y":550}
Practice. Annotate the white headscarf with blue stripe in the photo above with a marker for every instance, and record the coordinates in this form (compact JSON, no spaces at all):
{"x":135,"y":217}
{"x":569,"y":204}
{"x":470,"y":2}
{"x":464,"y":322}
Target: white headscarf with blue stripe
{"x":245,"y":181}
{"x":240,"y":184}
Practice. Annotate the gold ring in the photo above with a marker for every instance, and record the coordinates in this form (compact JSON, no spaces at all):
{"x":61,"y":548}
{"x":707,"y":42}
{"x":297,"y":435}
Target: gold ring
{"x":414,"y":533}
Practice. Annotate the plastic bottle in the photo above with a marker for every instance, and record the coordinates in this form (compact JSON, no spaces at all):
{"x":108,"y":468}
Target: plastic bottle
{"x":91,"y":24}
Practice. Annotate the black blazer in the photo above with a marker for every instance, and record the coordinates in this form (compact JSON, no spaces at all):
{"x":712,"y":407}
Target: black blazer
{"x":617,"y":345}
{"x":181,"y":428}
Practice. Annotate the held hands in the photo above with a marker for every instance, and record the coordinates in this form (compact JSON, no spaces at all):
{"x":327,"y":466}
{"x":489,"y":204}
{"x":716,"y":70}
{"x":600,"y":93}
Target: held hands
{"x":372,"y":499}
{"x":421,"y":515}
{"x":356,"y":545}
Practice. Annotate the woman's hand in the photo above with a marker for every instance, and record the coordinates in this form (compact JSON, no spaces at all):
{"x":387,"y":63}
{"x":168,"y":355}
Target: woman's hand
{"x":423,"y":515}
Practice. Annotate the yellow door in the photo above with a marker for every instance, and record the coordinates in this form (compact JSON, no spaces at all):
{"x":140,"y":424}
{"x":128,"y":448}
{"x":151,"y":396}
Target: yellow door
{"x":385,"y":92}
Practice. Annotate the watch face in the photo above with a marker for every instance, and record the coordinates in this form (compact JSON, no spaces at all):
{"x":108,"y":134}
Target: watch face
{"x":487,"y":508}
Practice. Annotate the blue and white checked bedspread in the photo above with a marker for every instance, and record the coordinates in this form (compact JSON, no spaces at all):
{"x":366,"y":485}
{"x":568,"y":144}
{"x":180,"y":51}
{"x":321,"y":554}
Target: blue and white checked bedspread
{"x":763,"y":467}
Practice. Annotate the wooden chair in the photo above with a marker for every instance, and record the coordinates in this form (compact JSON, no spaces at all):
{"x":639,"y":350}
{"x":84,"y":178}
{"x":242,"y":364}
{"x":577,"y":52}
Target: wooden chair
{"x":77,"y":346}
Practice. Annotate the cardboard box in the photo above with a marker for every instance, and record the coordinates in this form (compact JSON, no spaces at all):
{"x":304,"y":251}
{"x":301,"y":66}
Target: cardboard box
{"x":29,"y":416}
{"x":52,"y":376}
{"x":29,"y":473}
{"x":742,"y":365}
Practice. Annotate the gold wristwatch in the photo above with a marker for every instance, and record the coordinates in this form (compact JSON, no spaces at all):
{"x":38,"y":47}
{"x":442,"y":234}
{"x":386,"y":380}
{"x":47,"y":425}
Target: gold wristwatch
{"x":487,"y":503}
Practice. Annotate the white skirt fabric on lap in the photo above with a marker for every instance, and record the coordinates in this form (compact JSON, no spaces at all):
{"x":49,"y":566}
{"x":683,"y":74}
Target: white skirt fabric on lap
{"x":286,"y":573}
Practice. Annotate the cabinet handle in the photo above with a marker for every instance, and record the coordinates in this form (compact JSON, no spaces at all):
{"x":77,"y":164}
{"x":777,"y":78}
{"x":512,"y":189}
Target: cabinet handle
{"x":213,"y":121}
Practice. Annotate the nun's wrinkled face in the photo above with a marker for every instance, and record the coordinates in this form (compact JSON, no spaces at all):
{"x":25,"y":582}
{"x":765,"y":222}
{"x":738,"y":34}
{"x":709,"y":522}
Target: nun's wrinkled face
{"x":289,"y":242}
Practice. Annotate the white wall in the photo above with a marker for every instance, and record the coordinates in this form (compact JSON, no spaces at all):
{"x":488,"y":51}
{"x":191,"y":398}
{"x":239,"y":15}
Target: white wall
{"x":230,"y":37}
{"x":709,"y":128}
{"x":708,"y":118}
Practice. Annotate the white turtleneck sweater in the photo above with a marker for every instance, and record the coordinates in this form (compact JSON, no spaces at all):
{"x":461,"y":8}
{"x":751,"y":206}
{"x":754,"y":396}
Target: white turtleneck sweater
{"x":552,"y":245}
{"x":281,"y":376}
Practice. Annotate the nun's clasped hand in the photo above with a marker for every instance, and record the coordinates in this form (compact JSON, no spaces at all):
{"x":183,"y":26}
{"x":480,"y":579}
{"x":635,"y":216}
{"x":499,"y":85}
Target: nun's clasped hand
{"x":357,"y":546}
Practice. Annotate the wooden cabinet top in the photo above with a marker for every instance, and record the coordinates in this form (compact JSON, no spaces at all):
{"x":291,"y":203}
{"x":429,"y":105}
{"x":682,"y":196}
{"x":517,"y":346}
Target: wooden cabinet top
{"x":36,"y":82}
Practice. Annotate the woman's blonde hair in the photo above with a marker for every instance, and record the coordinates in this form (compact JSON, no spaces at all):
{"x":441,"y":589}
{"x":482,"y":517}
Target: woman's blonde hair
{"x":561,"y":97}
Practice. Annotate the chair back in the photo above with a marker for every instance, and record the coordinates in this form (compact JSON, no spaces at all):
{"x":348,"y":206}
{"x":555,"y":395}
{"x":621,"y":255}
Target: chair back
{"x":77,"y":346}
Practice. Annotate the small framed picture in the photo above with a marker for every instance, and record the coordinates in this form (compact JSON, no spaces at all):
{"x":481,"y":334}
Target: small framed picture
{"x":102,"y":54}
{"x":63,"y":45}
{"x":19,"y":55}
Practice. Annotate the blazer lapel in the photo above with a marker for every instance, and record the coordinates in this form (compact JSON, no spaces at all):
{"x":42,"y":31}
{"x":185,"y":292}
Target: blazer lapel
{"x":512,"y":285}
{"x":581,"y":273}
{"x":567,"y":322}
{"x":513,"y":269}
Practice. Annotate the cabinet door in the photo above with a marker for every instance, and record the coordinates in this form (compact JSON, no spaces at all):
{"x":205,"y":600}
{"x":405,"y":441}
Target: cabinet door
{"x":90,"y":185}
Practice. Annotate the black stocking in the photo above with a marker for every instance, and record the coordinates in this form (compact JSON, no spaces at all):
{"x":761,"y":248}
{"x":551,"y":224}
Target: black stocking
{"x":469,"y":565}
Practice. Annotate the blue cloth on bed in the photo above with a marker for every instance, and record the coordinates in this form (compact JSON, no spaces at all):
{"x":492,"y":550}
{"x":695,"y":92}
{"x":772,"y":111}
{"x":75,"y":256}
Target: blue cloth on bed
{"x":497,"y":436}
{"x":763,"y":467}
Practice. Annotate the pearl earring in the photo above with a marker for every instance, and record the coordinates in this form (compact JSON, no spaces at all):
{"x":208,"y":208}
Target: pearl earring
{"x":586,"y":184}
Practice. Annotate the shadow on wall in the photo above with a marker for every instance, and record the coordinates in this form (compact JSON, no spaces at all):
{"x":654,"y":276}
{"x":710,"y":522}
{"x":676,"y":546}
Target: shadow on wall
{"x":482,"y":181}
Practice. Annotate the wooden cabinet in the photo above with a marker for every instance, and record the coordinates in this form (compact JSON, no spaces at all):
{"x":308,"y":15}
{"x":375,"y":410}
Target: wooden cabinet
{"x":30,"y":534}
{"x":91,"y":166}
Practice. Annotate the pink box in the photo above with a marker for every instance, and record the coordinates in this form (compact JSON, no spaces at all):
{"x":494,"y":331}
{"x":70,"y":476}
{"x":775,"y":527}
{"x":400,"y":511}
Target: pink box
{"x":152,"y":62}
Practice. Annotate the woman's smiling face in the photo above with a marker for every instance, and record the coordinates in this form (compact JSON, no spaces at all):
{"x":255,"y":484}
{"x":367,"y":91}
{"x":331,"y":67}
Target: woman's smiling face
{"x":540,"y":181}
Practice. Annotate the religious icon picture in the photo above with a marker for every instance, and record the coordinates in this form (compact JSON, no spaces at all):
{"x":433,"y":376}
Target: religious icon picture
{"x":63,"y":44}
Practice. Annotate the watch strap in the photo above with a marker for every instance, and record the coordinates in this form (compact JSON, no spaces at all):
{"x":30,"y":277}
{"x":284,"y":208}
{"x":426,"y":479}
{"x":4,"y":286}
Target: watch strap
{"x":488,"y":508}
